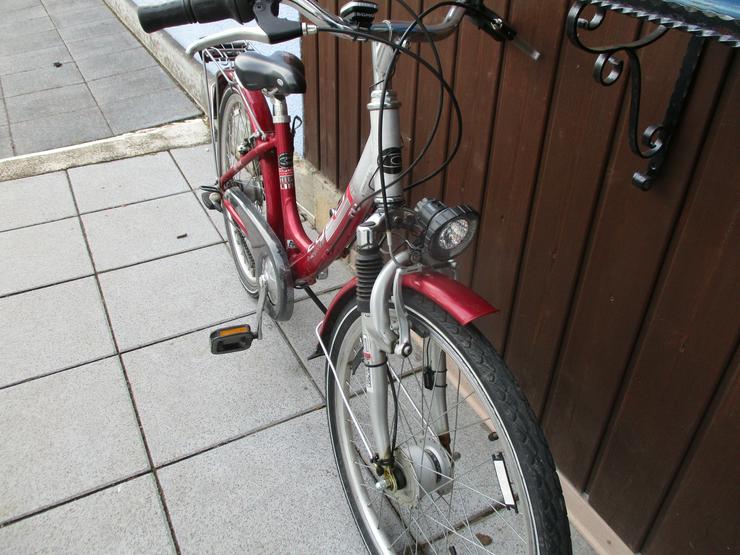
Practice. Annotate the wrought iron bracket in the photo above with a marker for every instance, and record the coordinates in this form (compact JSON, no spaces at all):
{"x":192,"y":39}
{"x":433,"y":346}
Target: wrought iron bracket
{"x":654,"y":141}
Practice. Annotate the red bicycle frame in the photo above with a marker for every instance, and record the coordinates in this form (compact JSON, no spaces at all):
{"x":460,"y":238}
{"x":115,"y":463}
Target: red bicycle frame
{"x":275,"y":153}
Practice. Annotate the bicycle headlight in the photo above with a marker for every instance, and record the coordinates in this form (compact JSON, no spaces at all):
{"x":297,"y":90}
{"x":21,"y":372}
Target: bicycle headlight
{"x":448,"y":230}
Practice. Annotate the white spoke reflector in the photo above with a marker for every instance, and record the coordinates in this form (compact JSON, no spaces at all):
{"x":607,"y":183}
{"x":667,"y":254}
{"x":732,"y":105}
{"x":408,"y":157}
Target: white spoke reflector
{"x":503,"y":480}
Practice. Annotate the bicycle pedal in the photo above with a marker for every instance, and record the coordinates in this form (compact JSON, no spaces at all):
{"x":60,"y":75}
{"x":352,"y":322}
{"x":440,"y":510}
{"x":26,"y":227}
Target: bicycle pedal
{"x":211,"y":199}
{"x":232,"y":339}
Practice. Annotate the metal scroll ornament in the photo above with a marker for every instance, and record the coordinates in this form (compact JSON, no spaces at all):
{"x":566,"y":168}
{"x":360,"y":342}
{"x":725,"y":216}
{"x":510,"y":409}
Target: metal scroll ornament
{"x":653,"y":142}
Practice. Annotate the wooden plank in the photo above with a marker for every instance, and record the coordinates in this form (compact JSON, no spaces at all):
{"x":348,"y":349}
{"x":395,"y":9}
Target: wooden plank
{"x":349,"y":108}
{"x":700,"y":515}
{"x":577,"y":148}
{"x":521,"y":116}
{"x":328,"y":99}
{"x":427,"y":98}
{"x":405,"y":81}
{"x":479,"y":64}
{"x":628,"y":243}
{"x":311,"y":114}
{"x":685,"y":344}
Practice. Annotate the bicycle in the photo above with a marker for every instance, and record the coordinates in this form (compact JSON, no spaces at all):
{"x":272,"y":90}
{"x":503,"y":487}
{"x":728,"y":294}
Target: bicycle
{"x":435,"y":444}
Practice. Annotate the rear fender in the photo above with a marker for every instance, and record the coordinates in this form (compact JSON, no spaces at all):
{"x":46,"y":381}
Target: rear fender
{"x":463,"y":304}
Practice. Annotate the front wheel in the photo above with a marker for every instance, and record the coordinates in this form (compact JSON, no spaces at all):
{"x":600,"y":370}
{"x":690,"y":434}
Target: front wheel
{"x":478,"y":475}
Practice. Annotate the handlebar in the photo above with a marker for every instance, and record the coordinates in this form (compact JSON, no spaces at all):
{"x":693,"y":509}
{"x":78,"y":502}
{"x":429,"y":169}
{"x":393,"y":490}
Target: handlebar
{"x":276,"y":29}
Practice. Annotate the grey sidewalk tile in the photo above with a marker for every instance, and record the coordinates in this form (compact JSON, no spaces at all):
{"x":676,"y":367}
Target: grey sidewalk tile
{"x":103,"y":65}
{"x":42,"y":254}
{"x":58,"y":131}
{"x":136,"y":83}
{"x":42,"y":104}
{"x":82,"y":14}
{"x":18,"y":211}
{"x":73,"y":323}
{"x":24,"y":14}
{"x":123,"y":519}
{"x":91,"y":29}
{"x":25,"y":27}
{"x":300,"y":331}
{"x":197,"y":164}
{"x":45,"y":57}
{"x":147,"y":230}
{"x":167,"y":297}
{"x":189,"y":399}
{"x":150,"y":110}
{"x":250,"y":496}
{"x":18,"y":44}
{"x":43,"y":79}
{"x":6,"y":147}
{"x":107,"y":44}
{"x":20,"y":4}
{"x":61,"y":6}
{"x":64,"y":435}
{"x":123,"y":181}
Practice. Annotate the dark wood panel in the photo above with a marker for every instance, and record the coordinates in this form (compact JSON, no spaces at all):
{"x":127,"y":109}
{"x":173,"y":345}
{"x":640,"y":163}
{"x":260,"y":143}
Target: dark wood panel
{"x":311,"y":114}
{"x":478,"y":66}
{"x":350,"y":108}
{"x":630,"y":236}
{"x":577,"y":148}
{"x":701,"y":513}
{"x":404,"y":82}
{"x":521,"y":115}
{"x":427,"y":98}
{"x":328,"y":99}
{"x":685,"y":344}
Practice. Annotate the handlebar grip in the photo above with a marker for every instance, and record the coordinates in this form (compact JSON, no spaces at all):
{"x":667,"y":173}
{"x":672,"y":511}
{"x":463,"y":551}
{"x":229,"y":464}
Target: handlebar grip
{"x":171,"y":13}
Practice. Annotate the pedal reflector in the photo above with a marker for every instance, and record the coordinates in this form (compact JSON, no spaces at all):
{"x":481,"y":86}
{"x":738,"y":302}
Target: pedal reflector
{"x":231,"y":339}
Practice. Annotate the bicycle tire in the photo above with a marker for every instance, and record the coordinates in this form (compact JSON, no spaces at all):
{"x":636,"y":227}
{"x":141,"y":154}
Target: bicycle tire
{"x":519,"y":437}
{"x":239,"y":247}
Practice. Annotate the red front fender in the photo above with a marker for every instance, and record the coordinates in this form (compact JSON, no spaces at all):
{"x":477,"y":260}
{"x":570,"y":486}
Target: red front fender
{"x":463,"y":304}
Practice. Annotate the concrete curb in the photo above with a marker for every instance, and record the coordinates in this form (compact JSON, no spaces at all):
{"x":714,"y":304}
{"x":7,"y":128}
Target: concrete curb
{"x":172,"y":135}
{"x":166,"y":50}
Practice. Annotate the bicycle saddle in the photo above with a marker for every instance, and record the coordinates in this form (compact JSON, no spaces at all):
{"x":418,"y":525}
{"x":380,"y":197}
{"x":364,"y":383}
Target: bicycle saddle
{"x":281,"y":73}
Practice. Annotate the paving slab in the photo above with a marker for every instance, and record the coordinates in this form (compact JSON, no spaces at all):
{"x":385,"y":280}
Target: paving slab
{"x":123,"y":519}
{"x":90,"y":29}
{"x":101,"y":65}
{"x":20,"y":4}
{"x":251,"y":496}
{"x":45,"y":57}
{"x":139,"y":82}
{"x":197,"y":164}
{"x":18,"y":211}
{"x":43,"y":104}
{"x":25,"y":26}
{"x":152,"y":109}
{"x":30,"y":12}
{"x":300,"y":332}
{"x":76,"y":15}
{"x":58,"y":131}
{"x":147,"y":230}
{"x":189,"y":399}
{"x":125,"y":181}
{"x":12,"y":42}
{"x":72,"y":319}
{"x":31,"y":82}
{"x":171,"y":296}
{"x":6,"y":146}
{"x":42,"y":255}
{"x":85,"y":47}
{"x":65,"y":435}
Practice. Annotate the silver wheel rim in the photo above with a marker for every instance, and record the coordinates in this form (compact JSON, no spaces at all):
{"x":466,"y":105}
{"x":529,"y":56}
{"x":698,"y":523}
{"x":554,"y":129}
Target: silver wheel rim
{"x":432,"y":526}
{"x":235,"y":127}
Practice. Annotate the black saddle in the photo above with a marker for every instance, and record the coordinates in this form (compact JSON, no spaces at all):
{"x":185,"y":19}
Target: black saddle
{"x":281,"y":72}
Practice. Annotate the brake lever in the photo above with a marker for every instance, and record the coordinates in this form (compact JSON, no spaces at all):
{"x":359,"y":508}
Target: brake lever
{"x":494,"y":25}
{"x":276,"y":28}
